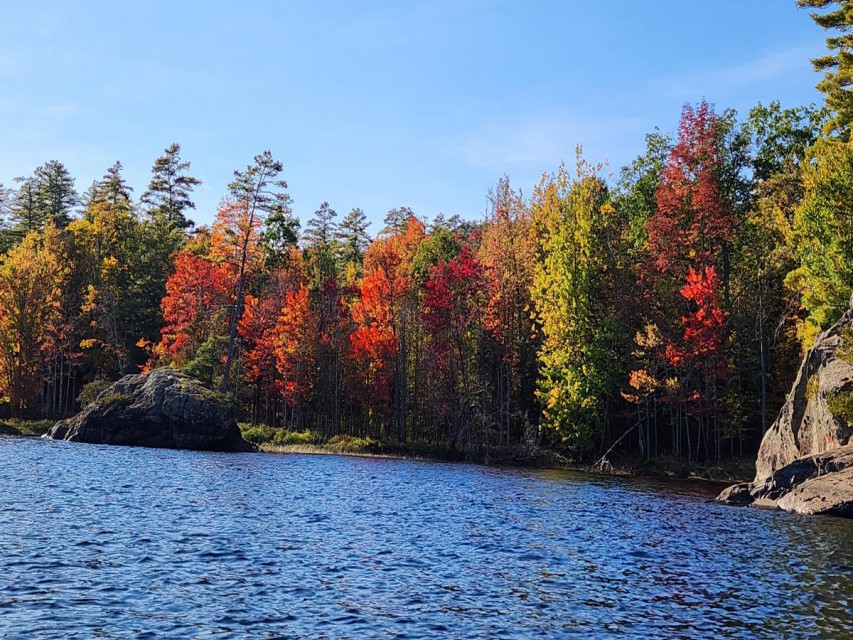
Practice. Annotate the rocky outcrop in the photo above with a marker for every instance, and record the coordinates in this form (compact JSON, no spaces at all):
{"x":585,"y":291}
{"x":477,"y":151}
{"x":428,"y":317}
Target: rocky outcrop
{"x":8,"y":430}
{"x":805,"y":463}
{"x":163,"y":408}
{"x":831,"y":494}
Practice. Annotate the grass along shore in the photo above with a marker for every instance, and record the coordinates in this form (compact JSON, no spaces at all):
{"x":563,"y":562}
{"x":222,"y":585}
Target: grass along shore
{"x":271,"y":440}
{"x":36,"y":428}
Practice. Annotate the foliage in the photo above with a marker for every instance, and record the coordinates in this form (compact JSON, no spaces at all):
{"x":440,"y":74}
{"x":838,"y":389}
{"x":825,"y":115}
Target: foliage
{"x":837,"y":65}
{"x":840,"y":405}
{"x":570,"y":304}
{"x":31,"y":279}
{"x":169,"y":193}
{"x":92,"y":390}
{"x":823,"y":237}
{"x":670,"y":308}
{"x":845,"y":349}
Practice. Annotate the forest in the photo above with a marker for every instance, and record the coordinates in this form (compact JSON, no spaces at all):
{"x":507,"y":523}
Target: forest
{"x":668,"y":301}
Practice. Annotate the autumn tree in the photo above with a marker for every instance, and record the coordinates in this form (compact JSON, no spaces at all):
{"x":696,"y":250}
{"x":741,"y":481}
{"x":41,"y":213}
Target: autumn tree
{"x":258,"y":192}
{"x":508,"y":254}
{"x":385,"y":313}
{"x":31,"y":279}
{"x":577,"y":368}
{"x":692,"y":228}
{"x":295,"y":339}
{"x":374,"y":345}
{"x":107,"y":246}
{"x":196,"y":308}
{"x":453,"y":297}
{"x":692,"y":223}
{"x":258,"y":337}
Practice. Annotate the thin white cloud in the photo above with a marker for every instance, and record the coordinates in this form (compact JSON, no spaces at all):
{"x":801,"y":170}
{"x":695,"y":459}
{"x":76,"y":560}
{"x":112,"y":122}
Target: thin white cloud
{"x":542,"y":139}
{"x":714,"y":81}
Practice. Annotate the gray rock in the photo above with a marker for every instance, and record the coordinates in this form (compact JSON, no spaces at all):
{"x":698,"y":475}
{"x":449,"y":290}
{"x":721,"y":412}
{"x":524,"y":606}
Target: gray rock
{"x":164,"y":408}
{"x":805,"y":425}
{"x":8,"y":430}
{"x":821,"y":484}
{"x":805,"y":462}
{"x":830,"y":494}
{"x":738,"y":495}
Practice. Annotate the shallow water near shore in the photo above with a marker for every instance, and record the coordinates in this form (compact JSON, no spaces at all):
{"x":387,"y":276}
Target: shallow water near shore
{"x":99,"y":541}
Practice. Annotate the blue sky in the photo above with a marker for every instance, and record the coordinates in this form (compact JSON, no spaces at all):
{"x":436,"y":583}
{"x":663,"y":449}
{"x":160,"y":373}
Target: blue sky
{"x":380,"y":104}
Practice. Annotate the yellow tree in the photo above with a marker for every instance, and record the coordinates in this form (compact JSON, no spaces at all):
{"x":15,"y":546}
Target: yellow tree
{"x":31,"y":279}
{"x":106,"y":246}
{"x":573,"y":306}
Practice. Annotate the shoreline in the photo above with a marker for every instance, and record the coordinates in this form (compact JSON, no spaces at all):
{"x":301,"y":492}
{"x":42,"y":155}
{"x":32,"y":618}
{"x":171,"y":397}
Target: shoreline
{"x":309,"y":443}
{"x":658,"y":468}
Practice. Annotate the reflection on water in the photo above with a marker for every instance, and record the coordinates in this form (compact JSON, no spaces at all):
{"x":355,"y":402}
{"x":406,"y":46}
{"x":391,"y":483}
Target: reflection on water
{"x":120,"y":542}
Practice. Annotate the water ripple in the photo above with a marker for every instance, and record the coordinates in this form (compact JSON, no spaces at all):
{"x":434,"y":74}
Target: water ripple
{"x":115,"y":542}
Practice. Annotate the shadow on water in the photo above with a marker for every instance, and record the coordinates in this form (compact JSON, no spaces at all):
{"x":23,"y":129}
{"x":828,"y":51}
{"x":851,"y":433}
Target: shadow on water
{"x":120,"y":542}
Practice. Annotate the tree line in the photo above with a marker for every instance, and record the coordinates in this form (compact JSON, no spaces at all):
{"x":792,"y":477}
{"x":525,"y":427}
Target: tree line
{"x":671,"y":300}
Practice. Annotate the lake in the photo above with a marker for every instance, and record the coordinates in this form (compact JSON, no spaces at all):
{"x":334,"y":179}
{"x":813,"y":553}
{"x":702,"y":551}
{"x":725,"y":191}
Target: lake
{"x":115,"y":542}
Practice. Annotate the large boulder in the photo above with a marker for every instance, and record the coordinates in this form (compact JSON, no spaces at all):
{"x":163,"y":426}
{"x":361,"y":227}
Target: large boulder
{"x":163,"y":408}
{"x":804,"y":461}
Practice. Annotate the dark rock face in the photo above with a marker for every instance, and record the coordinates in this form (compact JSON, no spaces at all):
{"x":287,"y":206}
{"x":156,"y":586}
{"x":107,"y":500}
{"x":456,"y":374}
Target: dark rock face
{"x":164,"y":408}
{"x":805,"y":462}
{"x":8,"y":430}
{"x":738,"y":495}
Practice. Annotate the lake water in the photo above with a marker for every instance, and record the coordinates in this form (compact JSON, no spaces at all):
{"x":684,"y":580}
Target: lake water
{"x":115,"y":542}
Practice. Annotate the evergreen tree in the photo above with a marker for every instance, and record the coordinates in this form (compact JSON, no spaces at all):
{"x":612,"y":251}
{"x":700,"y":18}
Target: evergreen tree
{"x":26,"y":213}
{"x":281,"y":234}
{"x":320,"y":231}
{"x":56,"y":194}
{"x":169,"y":193}
{"x":837,"y":65}
{"x":352,"y":239}
{"x":112,"y":190}
{"x":6,"y":202}
{"x":396,"y":219}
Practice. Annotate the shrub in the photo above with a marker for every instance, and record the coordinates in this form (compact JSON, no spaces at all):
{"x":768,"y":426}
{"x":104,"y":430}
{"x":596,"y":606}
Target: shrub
{"x":256,"y":433}
{"x":283,"y":437}
{"x":841,"y":406}
{"x":110,"y":399}
{"x":92,"y":390}
{"x":812,"y":387}
{"x":845,"y":349}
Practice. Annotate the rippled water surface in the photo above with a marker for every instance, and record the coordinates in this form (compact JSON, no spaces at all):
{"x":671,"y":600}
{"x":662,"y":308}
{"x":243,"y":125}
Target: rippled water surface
{"x":116,"y":542}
